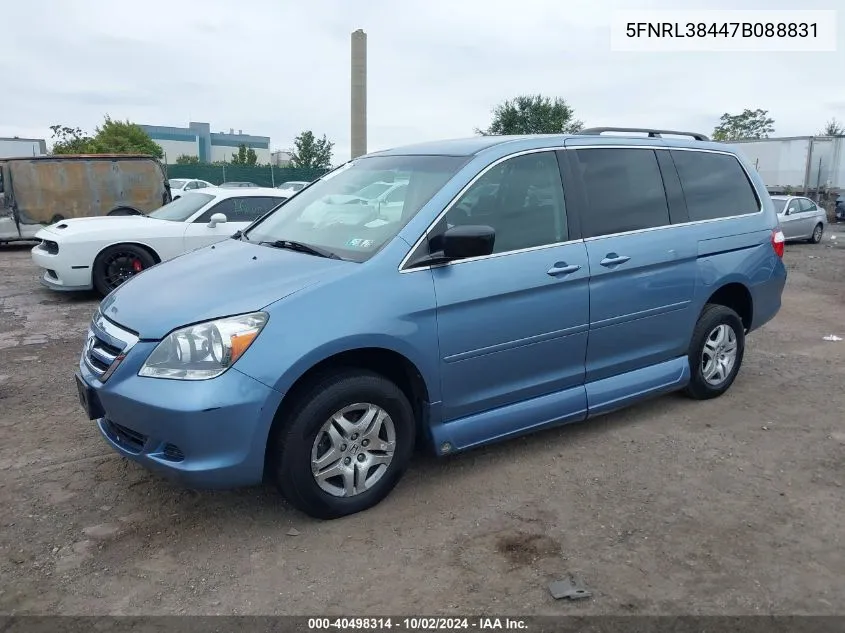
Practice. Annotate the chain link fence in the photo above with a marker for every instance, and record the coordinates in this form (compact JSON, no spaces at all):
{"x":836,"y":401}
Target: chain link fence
{"x":261,"y":175}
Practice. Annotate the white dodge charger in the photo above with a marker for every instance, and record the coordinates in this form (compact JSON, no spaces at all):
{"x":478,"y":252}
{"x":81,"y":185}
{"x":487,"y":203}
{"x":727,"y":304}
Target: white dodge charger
{"x":103,"y":252}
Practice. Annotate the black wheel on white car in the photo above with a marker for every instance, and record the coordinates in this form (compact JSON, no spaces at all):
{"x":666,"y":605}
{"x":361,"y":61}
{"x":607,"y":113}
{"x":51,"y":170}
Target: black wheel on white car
{"x":817,"y":234}
{"x":716,"y":351}
{"x":344,"y":444}
{"x":116,"y":264}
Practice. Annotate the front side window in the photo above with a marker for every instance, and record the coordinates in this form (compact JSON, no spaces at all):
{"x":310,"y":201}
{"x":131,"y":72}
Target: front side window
{"x":806,"y":205}
{"x":521,"y":199}
{"x":714,"y":185}
{"x":242,"y":209}
{"x":182,"y":208}
{"x":333,"y":215}
{"x":624,"y":190}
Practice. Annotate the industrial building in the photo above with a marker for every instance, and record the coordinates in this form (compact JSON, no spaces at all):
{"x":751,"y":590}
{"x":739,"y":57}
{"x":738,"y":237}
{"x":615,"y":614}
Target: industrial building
{"x":17,"y":147}
{"x":210,"y":147}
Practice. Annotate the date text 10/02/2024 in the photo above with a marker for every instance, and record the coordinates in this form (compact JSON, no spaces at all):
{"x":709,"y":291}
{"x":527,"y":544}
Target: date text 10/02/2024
{"x":416,"y":624}
{"x":725,"y":29}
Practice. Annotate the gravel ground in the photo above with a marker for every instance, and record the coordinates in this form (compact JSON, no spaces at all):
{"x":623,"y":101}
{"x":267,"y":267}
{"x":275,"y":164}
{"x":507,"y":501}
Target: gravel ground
{"x":731,"y":506}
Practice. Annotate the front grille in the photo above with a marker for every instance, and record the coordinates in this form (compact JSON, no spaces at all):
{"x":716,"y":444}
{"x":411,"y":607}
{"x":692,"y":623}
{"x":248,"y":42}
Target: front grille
{"x":106,"y":346}
{"x":125,"y":437}
{"x":100,"y":355}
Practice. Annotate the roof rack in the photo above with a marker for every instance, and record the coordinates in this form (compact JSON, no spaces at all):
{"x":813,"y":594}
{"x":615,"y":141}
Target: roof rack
{"x":651,"y":132}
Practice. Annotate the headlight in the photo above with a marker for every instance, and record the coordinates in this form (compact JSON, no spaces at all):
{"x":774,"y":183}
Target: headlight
{"x":205,"y":350}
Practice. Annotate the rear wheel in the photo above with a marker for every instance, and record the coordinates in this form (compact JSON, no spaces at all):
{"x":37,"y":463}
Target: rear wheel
{"x":344,"y":445}
{"x":816,"y":237}
{"x":118,"y":263}
{"x":716,"y":351}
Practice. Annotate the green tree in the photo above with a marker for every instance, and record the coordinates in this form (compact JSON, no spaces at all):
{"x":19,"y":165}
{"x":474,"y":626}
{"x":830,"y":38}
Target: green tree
{"x":244,"y":156}
{"x":112,"y":137}
{"x":533,"y":114}
{"x":832,"y":128}
{"x":70,"y":140}
{"x":184,"y":159}
{"x":123,"y":137}
{"x":310,"y":152}
{"x":749,"y":124}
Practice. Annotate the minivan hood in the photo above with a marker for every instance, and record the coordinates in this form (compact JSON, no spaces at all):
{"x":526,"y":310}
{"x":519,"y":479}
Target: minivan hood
{"x":228,"y":278}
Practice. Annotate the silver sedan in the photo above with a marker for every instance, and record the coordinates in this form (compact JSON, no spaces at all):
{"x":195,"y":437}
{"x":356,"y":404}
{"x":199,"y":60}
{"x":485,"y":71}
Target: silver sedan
{"x":800,"y":218}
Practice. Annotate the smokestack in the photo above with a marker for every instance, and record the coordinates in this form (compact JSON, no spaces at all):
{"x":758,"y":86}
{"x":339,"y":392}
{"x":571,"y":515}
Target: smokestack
{"x":359,"y":94}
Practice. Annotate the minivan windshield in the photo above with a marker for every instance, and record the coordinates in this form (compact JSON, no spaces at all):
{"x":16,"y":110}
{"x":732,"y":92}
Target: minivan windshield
{"x":182,"y":208}
{"x":334,"y":217}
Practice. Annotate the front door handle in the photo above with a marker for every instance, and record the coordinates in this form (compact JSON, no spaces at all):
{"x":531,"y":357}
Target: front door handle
{"x":612,"y":259}
{"x":562,"y":268}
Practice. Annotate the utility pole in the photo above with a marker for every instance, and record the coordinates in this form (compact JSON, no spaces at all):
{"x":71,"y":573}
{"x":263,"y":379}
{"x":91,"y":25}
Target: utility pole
{"x":358,"y":128}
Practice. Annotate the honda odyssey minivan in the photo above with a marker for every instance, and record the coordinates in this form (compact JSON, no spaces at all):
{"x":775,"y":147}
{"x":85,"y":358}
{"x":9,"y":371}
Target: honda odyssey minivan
{"x":526,"y":282}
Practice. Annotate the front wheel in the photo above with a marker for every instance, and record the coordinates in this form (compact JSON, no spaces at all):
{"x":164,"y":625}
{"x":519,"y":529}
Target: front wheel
{"x":816,"y":237}
{"x":344,"y":445}
{"x":716,"y":351}
{"x":117,"y":264}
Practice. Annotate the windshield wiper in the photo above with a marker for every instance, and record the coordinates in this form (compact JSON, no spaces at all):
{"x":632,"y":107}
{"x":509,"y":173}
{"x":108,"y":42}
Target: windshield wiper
{"x":240,"y":235}
{"x":301,"y":248}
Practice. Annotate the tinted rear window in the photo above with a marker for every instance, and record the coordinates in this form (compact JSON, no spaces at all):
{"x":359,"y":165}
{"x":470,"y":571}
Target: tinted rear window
{"x":715,"y":185}
{"x":624,"y":191}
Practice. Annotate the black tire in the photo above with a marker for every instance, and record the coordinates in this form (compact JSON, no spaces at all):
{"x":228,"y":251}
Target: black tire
{"x":128,"y":259}
{"x":291,"y":444}
{"x":124,"y":211}
{"x":818,"y":231}
{"x":712,"y":317}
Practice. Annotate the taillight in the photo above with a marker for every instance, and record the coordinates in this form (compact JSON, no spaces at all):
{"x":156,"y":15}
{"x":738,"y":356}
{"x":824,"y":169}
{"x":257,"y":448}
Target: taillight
{"x":777,"y":242}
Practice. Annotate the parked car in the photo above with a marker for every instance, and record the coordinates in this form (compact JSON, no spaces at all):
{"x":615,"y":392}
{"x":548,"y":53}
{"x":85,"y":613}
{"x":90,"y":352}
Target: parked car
{"x":102,"y":253}
{"x":598,"y":271}
{"x":800,"y":218}
{"x":178,"y":186}
{"x":379,"y":200}
{"x":293,"y":186}
{"x":234,"y":185}
{"x":40,"y":190}
{"x":839,"y":210}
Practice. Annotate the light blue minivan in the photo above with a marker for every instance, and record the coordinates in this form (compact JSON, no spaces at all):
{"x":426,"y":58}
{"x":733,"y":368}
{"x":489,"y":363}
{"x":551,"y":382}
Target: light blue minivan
{"x":519,"y":283}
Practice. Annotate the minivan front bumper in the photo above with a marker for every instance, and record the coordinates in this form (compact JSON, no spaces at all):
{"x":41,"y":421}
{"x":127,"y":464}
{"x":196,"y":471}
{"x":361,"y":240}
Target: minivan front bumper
{"x":203,"y":434}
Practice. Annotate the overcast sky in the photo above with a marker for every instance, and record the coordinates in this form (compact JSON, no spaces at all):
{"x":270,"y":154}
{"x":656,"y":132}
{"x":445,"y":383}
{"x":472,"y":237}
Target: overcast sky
{"x":436,"y":67}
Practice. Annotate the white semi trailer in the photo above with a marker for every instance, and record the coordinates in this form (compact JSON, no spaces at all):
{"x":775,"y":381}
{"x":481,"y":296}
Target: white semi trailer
{"x":800,"y":164}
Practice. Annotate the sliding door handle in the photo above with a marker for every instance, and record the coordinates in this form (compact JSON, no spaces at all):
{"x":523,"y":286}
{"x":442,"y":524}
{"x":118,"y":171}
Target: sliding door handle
{"x":562,"y":268}
{"x":612,"y":259}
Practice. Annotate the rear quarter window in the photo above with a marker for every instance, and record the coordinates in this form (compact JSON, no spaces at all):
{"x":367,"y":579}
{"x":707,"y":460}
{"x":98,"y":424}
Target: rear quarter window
{"x":715,"y":185}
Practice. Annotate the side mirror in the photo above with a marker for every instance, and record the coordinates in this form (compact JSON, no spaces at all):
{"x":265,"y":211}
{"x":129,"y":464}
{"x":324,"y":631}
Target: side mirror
{"x":462,"y":242}
{"x":216,"y":218}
